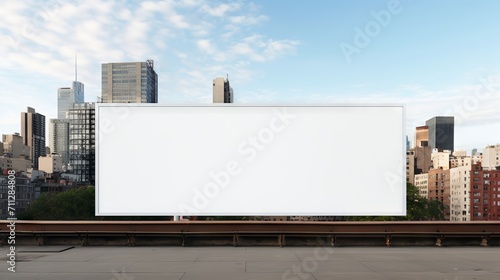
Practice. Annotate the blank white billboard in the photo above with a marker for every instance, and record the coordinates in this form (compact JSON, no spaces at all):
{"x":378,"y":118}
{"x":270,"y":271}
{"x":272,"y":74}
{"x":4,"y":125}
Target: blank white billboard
{"x":240,"y":160}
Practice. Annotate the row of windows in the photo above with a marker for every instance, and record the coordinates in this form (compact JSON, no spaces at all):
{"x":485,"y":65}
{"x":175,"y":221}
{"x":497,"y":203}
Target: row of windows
{"x":115,"y":72}
{"x":83,"y":125}
{"x":124,"y":81}
{"x":77,"y":140}
{"x":122,"y":66}
{"x":75,"y":113}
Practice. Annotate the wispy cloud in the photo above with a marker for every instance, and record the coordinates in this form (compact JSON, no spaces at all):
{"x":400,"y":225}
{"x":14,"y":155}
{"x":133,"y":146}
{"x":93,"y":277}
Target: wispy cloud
{"x":41,"y":39}
{"x":219,"y":10}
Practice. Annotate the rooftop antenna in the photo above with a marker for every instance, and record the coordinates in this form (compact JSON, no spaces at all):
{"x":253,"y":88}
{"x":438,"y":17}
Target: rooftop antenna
{"x":227,"y":77}
{"x":76,"y":69}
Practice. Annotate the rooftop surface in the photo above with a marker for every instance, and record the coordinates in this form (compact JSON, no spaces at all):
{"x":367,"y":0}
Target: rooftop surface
{"x":262,"y":263}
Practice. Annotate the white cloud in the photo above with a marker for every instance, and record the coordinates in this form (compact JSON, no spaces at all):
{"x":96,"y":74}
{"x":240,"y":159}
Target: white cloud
{"x":248,"y":19}
{"x":124,"y":14}
{"x":137,"y":32}
{"x":256,"y":48}
{"x":206,"y":46}
{"x":190,"y":3}
{"x":275,"y":48}
{"x":40,"y":39}
{"x":178,"y":21}
{"x":221,"y":9}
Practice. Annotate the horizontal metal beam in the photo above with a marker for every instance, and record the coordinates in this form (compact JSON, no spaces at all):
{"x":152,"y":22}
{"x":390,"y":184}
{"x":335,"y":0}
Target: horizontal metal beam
{"x":236,"y":231}
{"x":251,"y":226}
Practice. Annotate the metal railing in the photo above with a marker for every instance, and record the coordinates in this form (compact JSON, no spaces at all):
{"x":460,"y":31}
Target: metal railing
{"x":247,"y":233}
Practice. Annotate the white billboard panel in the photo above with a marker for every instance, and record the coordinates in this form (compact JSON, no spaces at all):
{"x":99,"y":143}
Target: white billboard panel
{"x":233,"y":160}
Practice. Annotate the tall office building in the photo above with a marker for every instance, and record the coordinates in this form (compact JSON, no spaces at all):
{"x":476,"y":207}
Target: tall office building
{"x":82,"y":142}
{"x":67,"y":96}
{"x":33,"y":133}
{"x":459,"y":191}
{"x":222,"y":91}
{"x":129,"y":82}
{"x":59,"y":138}
{"x":59,"y":128}
{"x":421,"y":136}
{"x":441,"y":133}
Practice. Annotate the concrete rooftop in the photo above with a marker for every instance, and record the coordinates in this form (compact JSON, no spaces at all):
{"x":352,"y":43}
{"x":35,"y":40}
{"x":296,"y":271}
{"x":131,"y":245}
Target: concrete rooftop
{"x":259,"y":263}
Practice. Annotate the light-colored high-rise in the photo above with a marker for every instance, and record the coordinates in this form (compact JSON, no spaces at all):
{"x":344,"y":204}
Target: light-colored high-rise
{"x":129,"y":82}
{"x":222,"y":91}
{"x":59,"y":138}
{"x":33,"y":133}
{"x":59,"y":128}
{"x":460,"y":192}
{"x":491,"y":157}
{"x":67,"y":96}
{"x":422,"y":183}
{"x":421,"y":136}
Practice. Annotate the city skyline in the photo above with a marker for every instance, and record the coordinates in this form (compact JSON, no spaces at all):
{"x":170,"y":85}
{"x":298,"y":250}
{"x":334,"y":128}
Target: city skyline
{"x":338,"y":52}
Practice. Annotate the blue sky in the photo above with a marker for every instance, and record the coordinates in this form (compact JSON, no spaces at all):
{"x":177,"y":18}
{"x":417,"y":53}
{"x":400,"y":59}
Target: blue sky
{"x":437,"y":57}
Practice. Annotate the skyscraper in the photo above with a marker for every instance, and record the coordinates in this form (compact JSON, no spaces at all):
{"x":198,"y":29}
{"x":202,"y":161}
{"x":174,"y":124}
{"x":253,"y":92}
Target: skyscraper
{"x":59,"y":138}
{"x":33,"y":133}
{"x":82,"y":142}
{"x":67,"y":96}
{"x":222,"y":91}
{"x":421,"y":136}
{"x":441,"y":133}
{"x":59,"y":128}
{"x":129,"y":82}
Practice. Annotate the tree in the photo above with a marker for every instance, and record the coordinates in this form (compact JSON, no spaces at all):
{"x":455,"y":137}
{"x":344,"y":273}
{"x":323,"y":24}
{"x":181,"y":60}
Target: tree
{"x":74,"y":204}
{"x":418,"y":208}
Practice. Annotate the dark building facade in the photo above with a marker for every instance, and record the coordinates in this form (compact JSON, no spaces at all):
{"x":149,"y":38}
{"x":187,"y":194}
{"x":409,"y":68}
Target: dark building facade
{"x":25,"y":194}
{"x":441,"y":133}
{"x":82,"y":142}
{"x":33,"y":133}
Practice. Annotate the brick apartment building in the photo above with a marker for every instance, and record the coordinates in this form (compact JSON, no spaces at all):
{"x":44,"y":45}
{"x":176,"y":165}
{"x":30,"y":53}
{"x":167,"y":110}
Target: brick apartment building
{"x":439,"y":188}
{"x":485,"y":194}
